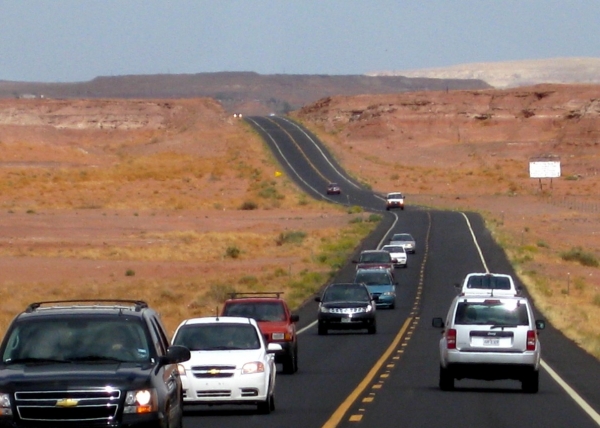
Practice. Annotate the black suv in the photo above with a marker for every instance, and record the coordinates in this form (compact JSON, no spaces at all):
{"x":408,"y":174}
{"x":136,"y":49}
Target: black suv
{"x":89,"y":364}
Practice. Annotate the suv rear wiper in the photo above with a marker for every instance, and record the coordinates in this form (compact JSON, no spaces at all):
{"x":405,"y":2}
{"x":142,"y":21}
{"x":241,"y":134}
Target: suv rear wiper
{"x":504,"y":326}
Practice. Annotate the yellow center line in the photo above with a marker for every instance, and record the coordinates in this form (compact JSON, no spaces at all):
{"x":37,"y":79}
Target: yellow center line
{"x":337,"y":416}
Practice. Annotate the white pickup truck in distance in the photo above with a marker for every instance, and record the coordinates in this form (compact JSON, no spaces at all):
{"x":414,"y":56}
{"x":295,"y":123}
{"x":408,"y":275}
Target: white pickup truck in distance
{"x":491,"y":284}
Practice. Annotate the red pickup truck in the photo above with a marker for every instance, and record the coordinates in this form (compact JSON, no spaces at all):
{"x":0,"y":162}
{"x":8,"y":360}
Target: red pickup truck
{"x":371,"y":259}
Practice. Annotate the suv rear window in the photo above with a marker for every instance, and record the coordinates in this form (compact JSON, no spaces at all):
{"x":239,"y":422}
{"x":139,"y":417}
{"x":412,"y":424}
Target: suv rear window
{"x":260,"y":311}
{"x":495,"y":313}
{"x":489,"y":282}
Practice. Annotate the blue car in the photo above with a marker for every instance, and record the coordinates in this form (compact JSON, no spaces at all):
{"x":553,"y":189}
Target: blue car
{"x":381,"y":285}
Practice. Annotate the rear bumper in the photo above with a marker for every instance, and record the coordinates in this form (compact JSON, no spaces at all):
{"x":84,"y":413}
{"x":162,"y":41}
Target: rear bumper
{"x":491,"y":365}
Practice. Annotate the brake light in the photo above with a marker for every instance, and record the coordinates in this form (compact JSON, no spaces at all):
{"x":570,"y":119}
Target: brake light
{"x":451,"y":338}
{"x":531,"y":340}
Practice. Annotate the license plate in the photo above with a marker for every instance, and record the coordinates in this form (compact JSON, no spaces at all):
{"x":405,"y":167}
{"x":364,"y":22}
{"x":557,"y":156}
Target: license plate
{"x":346,"y":320}
{"x":491,"y":342}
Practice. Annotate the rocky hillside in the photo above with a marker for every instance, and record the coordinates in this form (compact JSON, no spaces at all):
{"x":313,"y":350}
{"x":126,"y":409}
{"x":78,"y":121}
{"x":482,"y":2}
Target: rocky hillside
{"x":248,"y":93}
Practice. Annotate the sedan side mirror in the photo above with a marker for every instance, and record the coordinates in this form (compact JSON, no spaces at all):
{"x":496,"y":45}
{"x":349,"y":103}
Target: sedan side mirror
{"x":294,"y":318}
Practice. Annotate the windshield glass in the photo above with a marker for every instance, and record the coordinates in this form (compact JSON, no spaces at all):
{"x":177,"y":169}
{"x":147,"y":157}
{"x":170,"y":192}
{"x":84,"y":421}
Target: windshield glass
{"x":373,"y":278}
{"x":69,"y":339}
{"x":346,"y":292}
{"x":499,"y":314}
{"x":379,"y":257}
{"x":217,"y":336}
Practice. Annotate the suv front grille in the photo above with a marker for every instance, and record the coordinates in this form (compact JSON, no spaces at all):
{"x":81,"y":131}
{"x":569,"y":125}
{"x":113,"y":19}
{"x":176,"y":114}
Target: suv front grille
{"x":68,"y":406}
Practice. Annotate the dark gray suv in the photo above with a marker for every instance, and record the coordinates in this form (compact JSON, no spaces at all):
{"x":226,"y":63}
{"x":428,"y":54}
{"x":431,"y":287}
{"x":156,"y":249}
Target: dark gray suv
{"x":346,"y":306}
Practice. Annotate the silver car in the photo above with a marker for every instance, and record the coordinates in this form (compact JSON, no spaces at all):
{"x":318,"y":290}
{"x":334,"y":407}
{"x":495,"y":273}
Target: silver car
{"x":490,"y":338}
{"x":405,"y":240}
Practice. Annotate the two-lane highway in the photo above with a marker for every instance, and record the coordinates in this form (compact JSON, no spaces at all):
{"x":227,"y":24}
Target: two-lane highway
{"x":353,"y":379}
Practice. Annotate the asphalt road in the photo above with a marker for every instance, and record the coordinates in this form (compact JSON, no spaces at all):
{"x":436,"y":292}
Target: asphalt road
{"x":352,"y":379}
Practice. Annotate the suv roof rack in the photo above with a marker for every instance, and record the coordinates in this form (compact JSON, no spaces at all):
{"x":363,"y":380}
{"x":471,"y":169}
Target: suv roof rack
{"x":88,"y":303}
{"x":248,"y":295}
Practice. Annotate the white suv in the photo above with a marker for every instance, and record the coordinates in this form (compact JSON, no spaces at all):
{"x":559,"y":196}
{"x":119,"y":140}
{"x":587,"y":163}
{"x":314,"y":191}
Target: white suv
{"x":394,"y":200}
{"x":229,"y":364}
{"x":491,"y":284}
{"x":490,"y":338}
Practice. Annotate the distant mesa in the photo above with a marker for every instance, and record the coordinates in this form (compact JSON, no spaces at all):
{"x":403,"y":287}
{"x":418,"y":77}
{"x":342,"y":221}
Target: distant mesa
{"x":510,"y":74}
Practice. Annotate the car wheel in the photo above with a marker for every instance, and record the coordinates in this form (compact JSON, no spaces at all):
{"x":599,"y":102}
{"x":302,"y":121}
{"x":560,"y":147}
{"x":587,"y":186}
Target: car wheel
{"x":531,"y":383}
{"x":393,"y":306}
{"x":290,"y":364}
{"x":265,"y":407}
{"x":322,"y":329}
{"x":372,"y":329}
{"x":446,"y":379}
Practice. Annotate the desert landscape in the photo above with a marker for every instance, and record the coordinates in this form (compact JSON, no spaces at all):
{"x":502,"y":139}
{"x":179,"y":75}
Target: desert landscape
{"x":179,"y":203}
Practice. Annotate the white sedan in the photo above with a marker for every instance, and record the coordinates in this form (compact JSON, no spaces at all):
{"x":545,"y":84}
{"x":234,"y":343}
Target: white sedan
{"x":229,"y":364}
{"x":398,"y":254}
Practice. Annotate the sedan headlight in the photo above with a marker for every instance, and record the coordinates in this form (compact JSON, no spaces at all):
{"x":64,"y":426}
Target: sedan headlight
{"x":325,"y":309}
{"x":5,"y":408}
{"x":253,"y":367}
{"x":369,"y":308}
{"x":141,"y":401}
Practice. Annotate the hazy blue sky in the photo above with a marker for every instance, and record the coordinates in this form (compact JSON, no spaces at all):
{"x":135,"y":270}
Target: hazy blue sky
{"x":77,"y":40}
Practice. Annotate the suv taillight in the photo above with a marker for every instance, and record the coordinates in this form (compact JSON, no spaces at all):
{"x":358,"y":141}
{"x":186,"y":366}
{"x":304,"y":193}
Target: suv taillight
{"x":451,"y":338}
{"x":531,"y":339}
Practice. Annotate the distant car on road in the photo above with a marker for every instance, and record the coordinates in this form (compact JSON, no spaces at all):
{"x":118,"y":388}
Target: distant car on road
{"x":394,"y":200}
{"x":398,"y":254}
{"x":374,"y":259}
{"x":486,"y":283}
{"x":381,"y":285}
{"x":333,"y":189}
{"x":346,"y":306}
{"x":405,"y":240}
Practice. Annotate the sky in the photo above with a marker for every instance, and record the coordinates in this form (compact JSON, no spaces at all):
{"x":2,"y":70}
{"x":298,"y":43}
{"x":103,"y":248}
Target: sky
{"x":78,"y":40}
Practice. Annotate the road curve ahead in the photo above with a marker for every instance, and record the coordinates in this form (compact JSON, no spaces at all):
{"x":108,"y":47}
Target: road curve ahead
{"x":390,"y":379}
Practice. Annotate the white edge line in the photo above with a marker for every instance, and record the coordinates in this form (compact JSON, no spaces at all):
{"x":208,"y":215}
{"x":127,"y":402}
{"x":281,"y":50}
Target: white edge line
{"x":570,"y":391}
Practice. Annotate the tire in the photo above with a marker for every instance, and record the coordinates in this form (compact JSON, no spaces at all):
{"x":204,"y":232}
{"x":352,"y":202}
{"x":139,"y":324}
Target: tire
{"x":531,"y":383}
{"x":267,"y":406}
{"x":446,"y":379}
{"x":322,"y":330}
{"x":290,"y":365}
{"x":372,"y":329}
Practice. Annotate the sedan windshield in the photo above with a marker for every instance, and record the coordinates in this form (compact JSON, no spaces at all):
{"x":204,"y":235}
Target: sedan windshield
{"x":217,"y":336}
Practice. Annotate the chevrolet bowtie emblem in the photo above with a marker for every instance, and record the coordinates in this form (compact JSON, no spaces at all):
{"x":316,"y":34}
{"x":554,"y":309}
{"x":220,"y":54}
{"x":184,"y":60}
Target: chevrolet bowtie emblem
{"x":214,"y":371}
{"x":67,"y":402}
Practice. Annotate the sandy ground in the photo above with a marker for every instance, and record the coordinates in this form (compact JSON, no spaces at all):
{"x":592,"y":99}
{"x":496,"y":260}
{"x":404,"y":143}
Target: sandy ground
{"x":82,"y":201}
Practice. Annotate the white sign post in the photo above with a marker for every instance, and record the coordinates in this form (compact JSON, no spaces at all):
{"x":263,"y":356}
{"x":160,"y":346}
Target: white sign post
{"x":544,"y":167}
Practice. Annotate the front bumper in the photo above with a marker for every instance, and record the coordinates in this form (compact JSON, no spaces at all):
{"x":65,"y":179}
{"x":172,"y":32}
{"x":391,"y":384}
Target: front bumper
{"x":347,"y":321}
{"x":239,"y":389}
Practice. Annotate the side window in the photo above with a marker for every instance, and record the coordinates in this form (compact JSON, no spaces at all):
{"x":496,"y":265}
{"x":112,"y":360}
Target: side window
{"x":158,"y":336}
